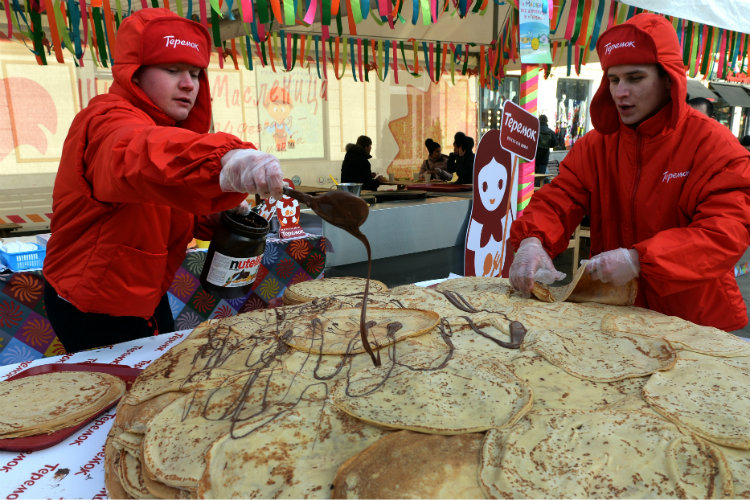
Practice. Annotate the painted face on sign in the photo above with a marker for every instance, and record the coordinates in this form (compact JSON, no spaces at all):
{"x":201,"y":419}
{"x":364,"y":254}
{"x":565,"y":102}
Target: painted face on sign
{"x":493,"y":181}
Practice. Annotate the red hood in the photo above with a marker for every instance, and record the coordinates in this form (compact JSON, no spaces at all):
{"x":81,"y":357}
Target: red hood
{"x":137,"y":46}
{"x":643,"y":39}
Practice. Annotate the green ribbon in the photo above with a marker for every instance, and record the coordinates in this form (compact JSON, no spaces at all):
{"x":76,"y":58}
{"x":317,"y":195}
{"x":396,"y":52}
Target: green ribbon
{"x":686,"y":45}
{"x":100,"y":37}
{"x":262,"y":10}
{"x":289,"y":12}
{"x":37,"y":34}
{"x":578,"y":22}
{"x":214,"y":27}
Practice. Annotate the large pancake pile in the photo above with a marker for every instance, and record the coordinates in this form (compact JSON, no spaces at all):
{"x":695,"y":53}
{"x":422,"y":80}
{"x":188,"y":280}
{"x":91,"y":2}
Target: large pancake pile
{"x":479,"y":393}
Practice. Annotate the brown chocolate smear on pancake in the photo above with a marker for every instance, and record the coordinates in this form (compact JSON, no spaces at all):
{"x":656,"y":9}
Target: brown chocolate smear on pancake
{"x":349,"y":212}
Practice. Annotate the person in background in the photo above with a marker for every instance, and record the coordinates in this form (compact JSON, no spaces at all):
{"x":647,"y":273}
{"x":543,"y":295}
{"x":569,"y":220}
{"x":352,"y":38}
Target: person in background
{"x":436,"y":164}
{"x":140,"y":176}
{"x":547,"y":140}
{"x":667,"y":189}
{"x":356,"y":165}
{"x":745,"y":142}
{"x":702,"y":104}
{"x":461,"y":160}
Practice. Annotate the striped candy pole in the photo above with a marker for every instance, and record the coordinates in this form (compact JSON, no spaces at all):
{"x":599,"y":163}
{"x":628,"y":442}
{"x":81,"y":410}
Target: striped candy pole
{"x":529,"y":88}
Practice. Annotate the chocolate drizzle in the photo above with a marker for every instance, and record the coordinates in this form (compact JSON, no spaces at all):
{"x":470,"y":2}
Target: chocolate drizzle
{"x":257,"y":395}
{"x":349,"y":212}
{"x":516,"y":328}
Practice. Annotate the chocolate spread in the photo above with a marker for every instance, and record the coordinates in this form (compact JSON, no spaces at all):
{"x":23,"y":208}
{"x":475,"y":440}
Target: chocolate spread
{"x":343,"y":209}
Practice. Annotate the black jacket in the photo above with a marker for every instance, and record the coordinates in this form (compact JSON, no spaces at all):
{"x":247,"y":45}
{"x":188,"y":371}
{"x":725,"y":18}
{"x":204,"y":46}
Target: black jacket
{"x":356,"y":168}
{"x":463,"y":166}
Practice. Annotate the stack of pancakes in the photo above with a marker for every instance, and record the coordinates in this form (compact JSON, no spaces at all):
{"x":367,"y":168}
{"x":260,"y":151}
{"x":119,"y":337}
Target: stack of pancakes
{"x":599,"y":401}
{"x":46,"y":403}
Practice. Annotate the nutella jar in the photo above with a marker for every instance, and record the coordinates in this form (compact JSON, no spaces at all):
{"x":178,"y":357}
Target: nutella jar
{"x":234,"y":255}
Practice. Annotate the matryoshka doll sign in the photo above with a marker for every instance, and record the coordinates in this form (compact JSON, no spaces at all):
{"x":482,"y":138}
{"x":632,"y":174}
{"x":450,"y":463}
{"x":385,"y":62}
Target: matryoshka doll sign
{"x":495,"y":199}
{"x":286,"y":210}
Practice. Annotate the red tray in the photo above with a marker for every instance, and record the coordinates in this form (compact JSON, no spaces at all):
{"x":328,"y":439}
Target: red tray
{"x":445,"y":188}
{"x":41,"y":441}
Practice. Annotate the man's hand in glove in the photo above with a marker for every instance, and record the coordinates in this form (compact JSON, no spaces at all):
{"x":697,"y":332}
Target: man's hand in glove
{"x":251,"y":171}
{"x":532,"y":263}
{"x":615,"y":266}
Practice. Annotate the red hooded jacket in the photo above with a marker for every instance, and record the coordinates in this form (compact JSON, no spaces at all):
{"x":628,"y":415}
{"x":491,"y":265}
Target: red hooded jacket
{"x":676,"y":188}
{"x":132,"y":182}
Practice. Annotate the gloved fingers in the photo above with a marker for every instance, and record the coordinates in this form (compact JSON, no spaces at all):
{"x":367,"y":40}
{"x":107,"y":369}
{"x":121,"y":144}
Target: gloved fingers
{"x":548,"y":276}
{"x":241,"y":209}
{"x":596,"y":267}
{"x":614,"y":266}
{"x":267,"y":178}
{"x":523,"y":284}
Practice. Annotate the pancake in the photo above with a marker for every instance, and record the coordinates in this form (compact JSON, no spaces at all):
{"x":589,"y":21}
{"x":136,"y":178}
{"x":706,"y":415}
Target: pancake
{"x":679,"y":332}
{"x":295,"y":455}
{"x":709,"y":397}
{"x":603,"y":454}
{"x":338,"y":331}
{"x":407,"y":464}
{"x":600,"y":356}
{"x":45,"y":403}
{"x":554,"y":388}
{"x":582,"y":288}
{"x":306,"y":291}
{"x":178,"y":438}
{"x":435,"y":394}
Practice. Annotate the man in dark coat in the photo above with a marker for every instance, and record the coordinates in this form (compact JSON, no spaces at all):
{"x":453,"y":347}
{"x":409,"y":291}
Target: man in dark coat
{"x":547,"y":140}
{"x":461,"y":161}
{"x":356,"y":165}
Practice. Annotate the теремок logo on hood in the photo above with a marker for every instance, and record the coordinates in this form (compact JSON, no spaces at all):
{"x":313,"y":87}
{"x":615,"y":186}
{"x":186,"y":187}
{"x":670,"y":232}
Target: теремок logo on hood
{"x":609,"y":47}
{"x":174,"y":42}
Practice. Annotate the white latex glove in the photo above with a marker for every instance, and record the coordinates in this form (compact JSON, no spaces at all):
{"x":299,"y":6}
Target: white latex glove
{"x":615,"y":266}
{"x":532,"y":263}
{"x":251,"y":171}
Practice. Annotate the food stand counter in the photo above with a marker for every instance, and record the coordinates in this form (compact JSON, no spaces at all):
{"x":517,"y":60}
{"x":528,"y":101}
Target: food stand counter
{"x":396,"y":228}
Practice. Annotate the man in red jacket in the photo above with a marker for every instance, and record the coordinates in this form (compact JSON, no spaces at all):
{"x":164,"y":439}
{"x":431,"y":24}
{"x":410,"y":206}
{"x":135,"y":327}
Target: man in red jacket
{"x":139,"y":177}
{"x":667,"y":188}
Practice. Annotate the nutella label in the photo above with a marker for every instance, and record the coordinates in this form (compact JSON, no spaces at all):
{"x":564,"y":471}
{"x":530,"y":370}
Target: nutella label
{"x":229,"y":271}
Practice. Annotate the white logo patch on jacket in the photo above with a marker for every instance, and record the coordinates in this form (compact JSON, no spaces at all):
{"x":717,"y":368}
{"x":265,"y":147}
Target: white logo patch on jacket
{"x":668,"y":176}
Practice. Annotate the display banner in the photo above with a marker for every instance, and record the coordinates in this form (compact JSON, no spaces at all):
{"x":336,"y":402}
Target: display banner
{"x":493,"y":210}
{"x":495,"y":199}
{"x":519,"y":131}
{"x":534,"y":31}
{"x":290,"y":114}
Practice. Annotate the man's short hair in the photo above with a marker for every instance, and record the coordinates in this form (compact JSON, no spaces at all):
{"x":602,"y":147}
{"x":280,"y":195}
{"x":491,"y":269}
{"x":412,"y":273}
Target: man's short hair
{"x":745,"y":140}
{"x":696,"y":102}
{"x":363,"y":141}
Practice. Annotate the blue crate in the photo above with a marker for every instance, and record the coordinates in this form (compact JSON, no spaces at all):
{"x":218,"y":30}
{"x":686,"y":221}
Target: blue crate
{"x":32,"y":259}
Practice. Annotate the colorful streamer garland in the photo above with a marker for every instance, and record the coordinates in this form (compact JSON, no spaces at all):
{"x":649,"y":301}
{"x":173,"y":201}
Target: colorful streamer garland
{"x":707,"y":50}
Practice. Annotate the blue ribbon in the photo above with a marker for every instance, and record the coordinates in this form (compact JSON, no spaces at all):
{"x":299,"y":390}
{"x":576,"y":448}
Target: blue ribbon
{"x":351,"y":57}
{"x":597,"y":25}
{"x":249,"y":53}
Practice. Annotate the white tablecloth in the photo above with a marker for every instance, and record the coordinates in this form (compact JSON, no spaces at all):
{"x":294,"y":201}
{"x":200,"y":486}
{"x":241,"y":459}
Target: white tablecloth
{"x":74,"y":468}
